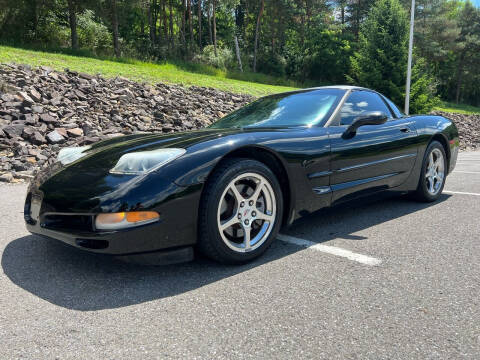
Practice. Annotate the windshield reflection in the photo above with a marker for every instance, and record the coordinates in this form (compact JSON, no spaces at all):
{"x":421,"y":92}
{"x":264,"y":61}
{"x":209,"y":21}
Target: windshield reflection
{"x":304,"y":108}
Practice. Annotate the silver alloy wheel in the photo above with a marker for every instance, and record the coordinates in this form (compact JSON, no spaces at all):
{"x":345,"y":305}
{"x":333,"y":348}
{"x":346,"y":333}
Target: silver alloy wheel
{"x":246,"y":212}
{"x":435,"y":172}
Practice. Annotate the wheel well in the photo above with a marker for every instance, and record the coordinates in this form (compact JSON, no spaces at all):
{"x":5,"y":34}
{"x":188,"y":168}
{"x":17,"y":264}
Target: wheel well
{"x":273,"y":163}
{"x":441,"y":139}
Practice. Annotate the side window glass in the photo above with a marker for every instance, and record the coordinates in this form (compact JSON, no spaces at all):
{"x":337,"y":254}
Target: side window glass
{"x":396,"y":111}
{"x":361,"y":102}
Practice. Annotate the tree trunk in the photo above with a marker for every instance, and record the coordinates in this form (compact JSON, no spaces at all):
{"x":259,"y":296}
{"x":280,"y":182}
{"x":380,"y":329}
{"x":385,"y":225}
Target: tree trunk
{"x":257,"y":31}
{"x":215,"y":26}
{"x":357,"y":20}
{"x":116,"y":45}
{"x":200,"y":24}
{"x":150,"y":23}
{"x":459,"y":77}
{"x":245,"y":27}
{"x":237,"y":51}
{"x":158,"y":23}
{"x":72,"y":17}
{"x":170,"y":10}
{"x":165,"y":22}
{"x":184,"y":11}
{"x":209,"y":15}
{"x":190,"y":19}
{"x":35,"y":18}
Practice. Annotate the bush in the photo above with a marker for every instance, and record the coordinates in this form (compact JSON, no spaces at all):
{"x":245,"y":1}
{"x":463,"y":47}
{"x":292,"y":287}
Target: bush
{"x":224,"y":59}
{"x":94,"y":35}
{"x":423,"y":89}
{"x":272,"y":64}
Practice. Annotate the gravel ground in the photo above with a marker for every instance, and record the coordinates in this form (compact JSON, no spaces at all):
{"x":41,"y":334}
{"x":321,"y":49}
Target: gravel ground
{"x":421,"y":302}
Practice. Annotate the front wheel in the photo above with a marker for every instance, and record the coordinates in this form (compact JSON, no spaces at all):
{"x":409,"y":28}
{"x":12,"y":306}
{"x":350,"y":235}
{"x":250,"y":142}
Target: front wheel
{"x":434,"y":173}
{"x":241,"y":211}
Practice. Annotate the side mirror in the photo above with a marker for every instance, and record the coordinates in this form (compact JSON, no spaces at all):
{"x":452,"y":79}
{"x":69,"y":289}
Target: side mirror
{"x":371,"y":118}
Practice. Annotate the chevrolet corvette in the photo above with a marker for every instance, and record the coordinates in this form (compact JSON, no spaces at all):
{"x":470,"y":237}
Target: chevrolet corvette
{"x":226,"y":190}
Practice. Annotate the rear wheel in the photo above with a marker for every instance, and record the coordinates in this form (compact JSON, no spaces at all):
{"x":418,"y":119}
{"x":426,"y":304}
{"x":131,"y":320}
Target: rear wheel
{"x":241,"y":211}
{"x":433,"y":175}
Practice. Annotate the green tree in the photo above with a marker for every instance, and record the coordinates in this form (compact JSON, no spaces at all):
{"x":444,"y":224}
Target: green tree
{"x":380,"y":62}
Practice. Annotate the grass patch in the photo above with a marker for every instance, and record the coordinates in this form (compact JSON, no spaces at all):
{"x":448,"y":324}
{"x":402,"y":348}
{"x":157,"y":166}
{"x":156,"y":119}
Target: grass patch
{"x":174,"y":73}
{"x":457,"y":108}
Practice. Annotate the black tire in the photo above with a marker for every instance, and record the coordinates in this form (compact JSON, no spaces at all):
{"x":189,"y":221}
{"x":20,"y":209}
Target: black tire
{"x":422,"y":194}
{"x":210,"y":242}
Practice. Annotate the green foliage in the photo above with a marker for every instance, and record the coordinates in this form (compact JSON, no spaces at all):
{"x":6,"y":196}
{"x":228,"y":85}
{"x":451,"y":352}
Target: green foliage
{"x":93,"y":34}
{"x":223,"y":60}
{"x":380,"y":61}
{"x":423,"y":90}
{"x":272,"y":64}
{"x":326,"y":56}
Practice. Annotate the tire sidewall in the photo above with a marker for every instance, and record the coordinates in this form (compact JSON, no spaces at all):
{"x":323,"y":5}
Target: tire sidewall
{"x":242,"y":166}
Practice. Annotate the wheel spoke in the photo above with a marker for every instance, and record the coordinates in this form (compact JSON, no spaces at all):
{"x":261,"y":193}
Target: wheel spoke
{"x":232,"y":221}
{"x":263,"y":216}
{"x":431,"y":182}
{"x":246,"y":237}
{"x":430,"y":160}
{"x":258,"y":189}
{"x":237,"y":194}
{"x":439,"y":177}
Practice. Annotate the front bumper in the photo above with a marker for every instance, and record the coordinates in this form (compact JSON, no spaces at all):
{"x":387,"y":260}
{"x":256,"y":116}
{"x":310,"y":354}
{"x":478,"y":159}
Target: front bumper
{"x":176,"y":229}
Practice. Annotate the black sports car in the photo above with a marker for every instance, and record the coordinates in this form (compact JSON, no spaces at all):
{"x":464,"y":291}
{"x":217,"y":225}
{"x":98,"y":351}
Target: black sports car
{"x":228,"y":189}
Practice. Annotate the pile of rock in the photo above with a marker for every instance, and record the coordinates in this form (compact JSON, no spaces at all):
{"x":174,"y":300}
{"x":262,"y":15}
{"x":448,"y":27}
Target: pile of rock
{"x":468,"y":129}
{"x":42,"y":111}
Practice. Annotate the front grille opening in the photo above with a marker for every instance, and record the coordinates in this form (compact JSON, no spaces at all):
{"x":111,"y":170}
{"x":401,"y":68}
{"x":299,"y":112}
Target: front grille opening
{"x":68,"y":222}
{"x":92,"y":243}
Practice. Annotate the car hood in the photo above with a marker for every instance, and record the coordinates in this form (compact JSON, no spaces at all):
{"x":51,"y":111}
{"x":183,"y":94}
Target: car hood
{"x":87,"y":182}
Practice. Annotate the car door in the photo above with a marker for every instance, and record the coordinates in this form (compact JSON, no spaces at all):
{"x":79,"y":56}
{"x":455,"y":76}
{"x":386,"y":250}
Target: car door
{"x":377,"y":157}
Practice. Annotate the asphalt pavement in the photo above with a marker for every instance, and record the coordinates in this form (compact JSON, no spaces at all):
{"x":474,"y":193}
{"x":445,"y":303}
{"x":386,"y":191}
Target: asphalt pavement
{"x":386,"y":279}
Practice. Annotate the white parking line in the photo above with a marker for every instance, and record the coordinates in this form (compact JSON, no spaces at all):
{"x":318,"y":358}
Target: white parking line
{"x":466,"y":172}
{"x":364,"y":259}
{"x":460,"y":193}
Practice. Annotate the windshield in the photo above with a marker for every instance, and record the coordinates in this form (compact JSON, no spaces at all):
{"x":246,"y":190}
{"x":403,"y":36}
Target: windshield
{"x":306,"y":108}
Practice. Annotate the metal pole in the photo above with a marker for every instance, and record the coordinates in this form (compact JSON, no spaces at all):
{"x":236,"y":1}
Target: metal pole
{"x":409,"y":66}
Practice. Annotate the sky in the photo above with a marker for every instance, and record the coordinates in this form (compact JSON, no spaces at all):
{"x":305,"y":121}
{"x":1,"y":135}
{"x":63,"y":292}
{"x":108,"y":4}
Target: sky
{"x":476,"y":2}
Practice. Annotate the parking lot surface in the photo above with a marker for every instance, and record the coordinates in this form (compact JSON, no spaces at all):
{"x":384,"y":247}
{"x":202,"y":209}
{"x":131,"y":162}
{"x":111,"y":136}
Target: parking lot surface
{"x":386,"y":279}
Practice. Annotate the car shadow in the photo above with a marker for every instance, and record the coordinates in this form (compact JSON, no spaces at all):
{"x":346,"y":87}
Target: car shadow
{"x":78,"y":280}
{"x":342,"y":221}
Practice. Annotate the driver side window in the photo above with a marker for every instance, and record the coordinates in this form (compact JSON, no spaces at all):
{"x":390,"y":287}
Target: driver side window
{"x":359,"y":103}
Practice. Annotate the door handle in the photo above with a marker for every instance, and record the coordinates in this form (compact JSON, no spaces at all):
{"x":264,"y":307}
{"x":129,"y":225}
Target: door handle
{"x":405,"y":130}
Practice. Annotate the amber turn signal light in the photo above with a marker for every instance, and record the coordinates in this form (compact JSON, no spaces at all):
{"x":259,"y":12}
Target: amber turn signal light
{"x":123,"y":220}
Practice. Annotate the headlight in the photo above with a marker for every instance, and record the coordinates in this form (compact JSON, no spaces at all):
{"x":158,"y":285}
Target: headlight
{"x":145,"y":161}
{"x":71,"y":154}
{"x":125,"y":220}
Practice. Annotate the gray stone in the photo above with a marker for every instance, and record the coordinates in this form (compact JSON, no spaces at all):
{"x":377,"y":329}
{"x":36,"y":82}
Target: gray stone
{"x":47,"y":118}
{"x":25,"y":98}
{"x":38,"y":139}
{"x":35,"y":95}
{"x":7,"y":177}
{"x":37,"y":109}
{"x":54,"y":137}
{"x":14,"y":130}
